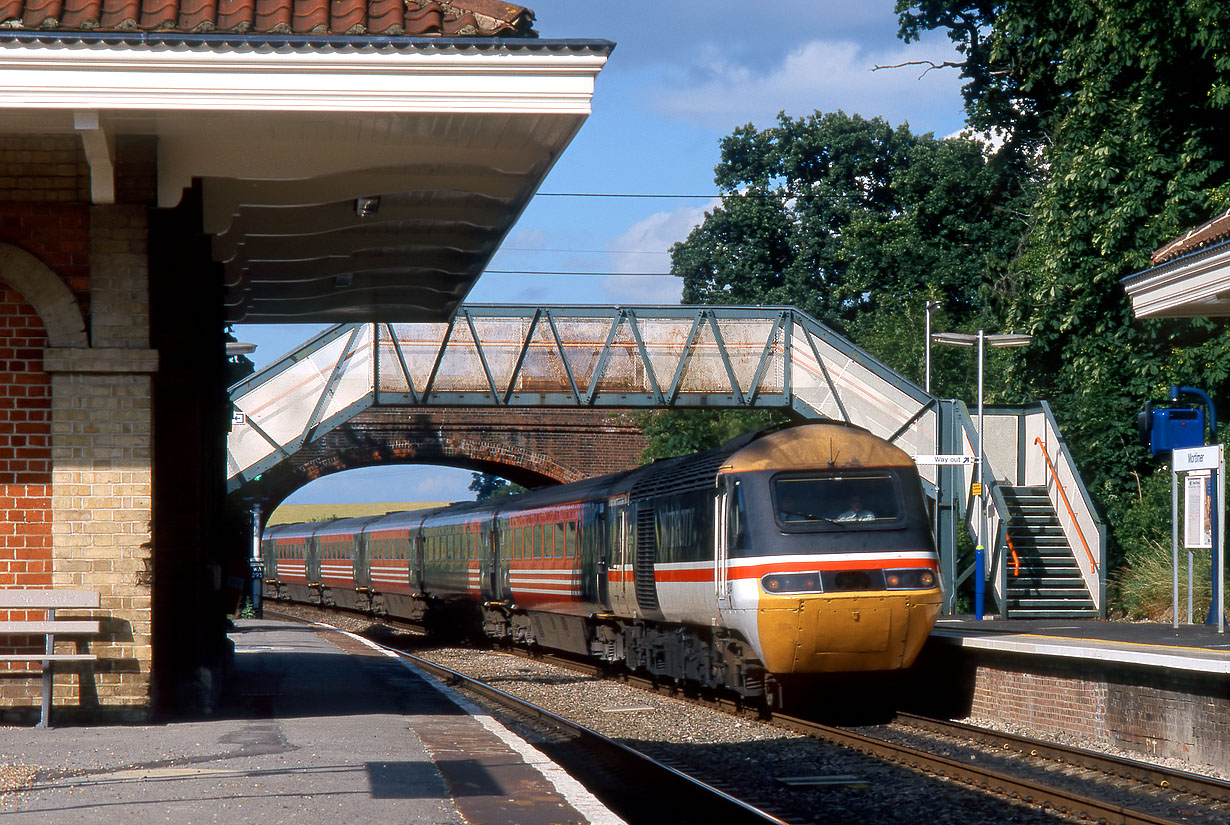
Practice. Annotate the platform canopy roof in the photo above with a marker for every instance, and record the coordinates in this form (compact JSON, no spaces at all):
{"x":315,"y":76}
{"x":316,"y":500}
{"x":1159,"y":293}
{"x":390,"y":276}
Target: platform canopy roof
{"x":354,"y":159}
{"x":1190,"y":277}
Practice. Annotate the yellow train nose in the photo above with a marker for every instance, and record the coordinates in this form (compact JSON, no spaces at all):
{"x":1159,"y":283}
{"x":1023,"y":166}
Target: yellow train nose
{"x":845,"y":632}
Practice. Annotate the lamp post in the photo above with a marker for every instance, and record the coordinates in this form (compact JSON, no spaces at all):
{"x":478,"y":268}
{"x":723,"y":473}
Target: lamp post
{"x":982,"y":340}
{"x":931,"y":307}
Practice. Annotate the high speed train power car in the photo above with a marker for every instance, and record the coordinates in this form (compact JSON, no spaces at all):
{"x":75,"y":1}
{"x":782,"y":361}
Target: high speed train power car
{"x":795,"y":551}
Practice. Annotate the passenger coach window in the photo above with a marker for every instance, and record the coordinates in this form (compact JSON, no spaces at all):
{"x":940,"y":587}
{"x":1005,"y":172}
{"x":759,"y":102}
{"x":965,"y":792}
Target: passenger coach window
{"x":846,"y":500}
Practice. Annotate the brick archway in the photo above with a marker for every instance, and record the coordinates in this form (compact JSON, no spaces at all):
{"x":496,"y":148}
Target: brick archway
{"x":529,"y":447}
{"x":47,"y":294}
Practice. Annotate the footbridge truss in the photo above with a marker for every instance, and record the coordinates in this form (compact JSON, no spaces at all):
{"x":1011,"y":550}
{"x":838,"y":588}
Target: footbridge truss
{"x":658,"y":357}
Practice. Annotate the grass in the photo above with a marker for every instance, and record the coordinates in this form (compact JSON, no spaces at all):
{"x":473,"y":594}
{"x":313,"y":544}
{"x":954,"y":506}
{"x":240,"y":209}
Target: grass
{"x":1145,"y":583}
{"x":293,"y":513}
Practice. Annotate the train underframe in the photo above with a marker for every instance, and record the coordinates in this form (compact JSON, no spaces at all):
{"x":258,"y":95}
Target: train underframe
{"x":687,"y":657}
{"x":692,"y":658}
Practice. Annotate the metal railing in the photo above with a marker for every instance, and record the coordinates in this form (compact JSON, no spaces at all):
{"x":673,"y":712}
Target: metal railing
{"x":1018,"y":431}
{"x":614,"y":357}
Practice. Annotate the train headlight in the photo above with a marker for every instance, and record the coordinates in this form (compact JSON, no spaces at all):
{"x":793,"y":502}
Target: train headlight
{"x":911,"y":579}
{"x":792,"y":583}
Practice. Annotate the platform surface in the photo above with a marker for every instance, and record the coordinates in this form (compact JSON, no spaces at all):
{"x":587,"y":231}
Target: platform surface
{"x":318,"y":728}
{"x":1198,"y":648}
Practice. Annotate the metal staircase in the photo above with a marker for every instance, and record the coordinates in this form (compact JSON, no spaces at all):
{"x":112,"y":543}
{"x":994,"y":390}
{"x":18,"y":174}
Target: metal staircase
{"x":1043,"y":578}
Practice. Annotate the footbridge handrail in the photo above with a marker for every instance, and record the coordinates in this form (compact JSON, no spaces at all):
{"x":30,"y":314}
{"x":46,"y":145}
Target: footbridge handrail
{"x":615,"y":357}
{"x":1054,"y":474}
{"x":575,"y":356}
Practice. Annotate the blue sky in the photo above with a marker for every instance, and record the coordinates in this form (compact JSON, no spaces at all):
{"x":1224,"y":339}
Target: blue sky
{"x":682,"y":76}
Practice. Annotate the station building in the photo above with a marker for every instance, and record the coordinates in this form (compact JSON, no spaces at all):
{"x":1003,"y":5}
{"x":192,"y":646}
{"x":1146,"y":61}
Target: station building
{"x":166,"y":169}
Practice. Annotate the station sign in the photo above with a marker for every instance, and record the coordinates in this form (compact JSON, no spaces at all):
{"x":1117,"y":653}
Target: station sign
{"x":946,"y":460}
{"x":1197,"y":458}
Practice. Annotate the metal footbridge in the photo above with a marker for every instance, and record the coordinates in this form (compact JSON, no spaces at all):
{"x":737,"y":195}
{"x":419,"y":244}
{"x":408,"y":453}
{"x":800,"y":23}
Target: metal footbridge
{"x":1046,"y":544}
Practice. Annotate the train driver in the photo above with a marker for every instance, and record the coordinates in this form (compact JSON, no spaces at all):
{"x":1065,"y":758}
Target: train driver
{"x":856,"y":512}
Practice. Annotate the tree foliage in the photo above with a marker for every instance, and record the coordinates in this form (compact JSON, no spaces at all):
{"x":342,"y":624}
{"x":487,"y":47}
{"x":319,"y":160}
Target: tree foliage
{"x":1109,"y":118}
{"x":1123,"y":104}
{"x":860,"y":224}
{"x":674,"y":433}
{"x":486,"y":486}
{"x":843,"y":216}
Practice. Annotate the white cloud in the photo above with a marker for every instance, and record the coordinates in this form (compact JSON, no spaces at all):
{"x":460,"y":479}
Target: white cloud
{"x":644,"y":247}
{"x":717,"y":93}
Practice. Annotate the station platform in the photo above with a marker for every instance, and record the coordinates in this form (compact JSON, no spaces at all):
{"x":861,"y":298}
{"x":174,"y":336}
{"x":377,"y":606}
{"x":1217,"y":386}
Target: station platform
{"x":1143,"y":688}
{"x":319,"y":727}
{"x":1196,"y":648}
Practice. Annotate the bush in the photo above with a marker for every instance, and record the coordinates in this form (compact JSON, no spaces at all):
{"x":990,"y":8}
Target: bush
{"x":1143,"y":586}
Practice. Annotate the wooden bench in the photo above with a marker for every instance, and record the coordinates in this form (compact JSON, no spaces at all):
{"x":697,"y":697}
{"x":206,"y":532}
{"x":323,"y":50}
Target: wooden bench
{"x":48,"y":601}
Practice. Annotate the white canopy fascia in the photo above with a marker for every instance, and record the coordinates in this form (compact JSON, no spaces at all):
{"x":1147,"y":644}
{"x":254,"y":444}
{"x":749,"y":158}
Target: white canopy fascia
{"x":447,"y":140}
{"x":1194,"y":286}
{"x":166,"y":91}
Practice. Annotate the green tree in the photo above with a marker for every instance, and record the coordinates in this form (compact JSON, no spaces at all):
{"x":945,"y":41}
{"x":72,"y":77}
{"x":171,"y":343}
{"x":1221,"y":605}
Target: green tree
{"x":674,"y":433}
{"x":1123,"y":104}
{"x":859,"y":224}
{"x":486,"y":485}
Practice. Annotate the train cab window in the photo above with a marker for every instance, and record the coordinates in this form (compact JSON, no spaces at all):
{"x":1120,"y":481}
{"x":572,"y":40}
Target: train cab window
{"x":837,"y":501}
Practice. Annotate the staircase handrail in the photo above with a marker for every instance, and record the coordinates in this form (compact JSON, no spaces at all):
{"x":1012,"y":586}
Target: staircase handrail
{"x":1067,"y":504}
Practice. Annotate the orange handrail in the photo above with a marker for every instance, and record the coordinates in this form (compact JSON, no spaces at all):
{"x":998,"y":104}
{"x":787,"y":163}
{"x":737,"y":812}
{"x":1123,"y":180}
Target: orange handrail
{"x":1016,"y":562}
{"x":1042,"y":446}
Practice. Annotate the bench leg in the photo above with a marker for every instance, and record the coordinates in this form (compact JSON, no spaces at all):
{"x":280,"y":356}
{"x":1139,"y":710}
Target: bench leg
{"x":44,"y":720}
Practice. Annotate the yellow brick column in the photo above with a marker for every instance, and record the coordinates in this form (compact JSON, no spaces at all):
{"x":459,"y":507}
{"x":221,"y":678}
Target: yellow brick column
{"x":101,"y":445}
{"x":102,"y":467}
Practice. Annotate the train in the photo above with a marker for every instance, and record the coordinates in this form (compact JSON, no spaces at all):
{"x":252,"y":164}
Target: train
{"x":783,"y":553}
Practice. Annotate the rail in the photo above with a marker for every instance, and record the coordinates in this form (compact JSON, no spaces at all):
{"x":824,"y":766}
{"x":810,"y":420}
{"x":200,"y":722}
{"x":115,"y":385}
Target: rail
{"x":1067,"y":504}
{"x":1016,"y":561}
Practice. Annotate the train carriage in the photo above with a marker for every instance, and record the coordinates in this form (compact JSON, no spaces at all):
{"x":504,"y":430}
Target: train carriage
{"x":795,"y":551}
{"x":287,"y":552}
{"x":341,"y":556}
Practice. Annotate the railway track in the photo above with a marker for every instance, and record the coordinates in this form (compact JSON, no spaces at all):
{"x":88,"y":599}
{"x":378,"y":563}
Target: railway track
{"x":1204,"y":796}
{"x":1162,"y":778}
{"x":1081,"y":784}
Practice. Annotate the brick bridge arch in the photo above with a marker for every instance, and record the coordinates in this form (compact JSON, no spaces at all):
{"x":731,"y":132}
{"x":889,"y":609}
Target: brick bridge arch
{"x":532,"y":447}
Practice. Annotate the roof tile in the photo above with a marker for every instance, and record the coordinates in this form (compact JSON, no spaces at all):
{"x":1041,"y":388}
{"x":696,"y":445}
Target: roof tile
{"x":311,"y":16}
{"x":236,"y":15}
{"x":160,"y":15}
{"x":1215,"y":230}
{"x":198,"y":15}
{"x":80,"y":14}
{"x":348,"y":17}
{"x":386,"y":17}
{"x":121,"y":15}
{"x":274,"y":16}
{"x":42,"y":13}
{"x":452,"y":18}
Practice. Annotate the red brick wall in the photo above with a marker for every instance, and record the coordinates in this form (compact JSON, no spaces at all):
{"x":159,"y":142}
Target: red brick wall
{"x":58,"y":234}
{"x":25,"y":451}
{"x":1155,"y":711}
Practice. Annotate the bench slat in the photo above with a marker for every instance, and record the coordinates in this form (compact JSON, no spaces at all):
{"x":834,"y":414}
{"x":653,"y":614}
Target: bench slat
{"x":55,"y":628}
{"x":43,"y":657}
{"x":47,"y":599}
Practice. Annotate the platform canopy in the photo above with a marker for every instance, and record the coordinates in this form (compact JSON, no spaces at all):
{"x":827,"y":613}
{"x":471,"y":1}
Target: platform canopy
{"x":1191,"y":276}
{"x":354,"y":159}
